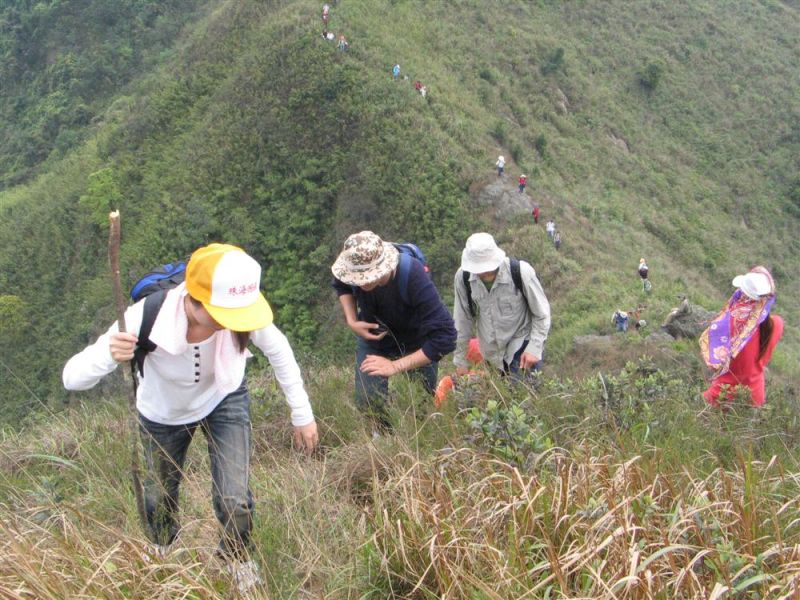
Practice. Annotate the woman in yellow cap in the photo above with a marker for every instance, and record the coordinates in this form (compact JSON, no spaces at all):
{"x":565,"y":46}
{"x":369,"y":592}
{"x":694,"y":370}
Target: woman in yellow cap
{"x":194,"y":379}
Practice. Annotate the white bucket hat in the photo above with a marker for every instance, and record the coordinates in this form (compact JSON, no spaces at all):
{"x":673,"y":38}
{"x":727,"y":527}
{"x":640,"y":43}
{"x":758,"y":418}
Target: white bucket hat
{"x":481,"y":254}
{"x":754,"y":284}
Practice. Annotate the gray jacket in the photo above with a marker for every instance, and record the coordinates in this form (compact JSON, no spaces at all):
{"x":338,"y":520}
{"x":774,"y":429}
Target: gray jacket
{"x":505,"y":317}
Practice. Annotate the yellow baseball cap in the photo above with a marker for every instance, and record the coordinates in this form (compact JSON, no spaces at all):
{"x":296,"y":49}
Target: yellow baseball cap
{"x":227,"y":281}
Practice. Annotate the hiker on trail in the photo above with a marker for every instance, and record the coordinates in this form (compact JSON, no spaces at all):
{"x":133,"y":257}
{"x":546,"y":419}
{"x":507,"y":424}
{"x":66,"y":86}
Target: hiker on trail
{"x":550,"y":228}
{"x":620,"y":319}
{"x":643,"y":269}
{"x":393,"y":308}
{"x":343,"y":45}
{"x":418,"y":85}
{"x":395,"y":72}
{"x":535,"y":213}
{"x":523,"y":179}
{"x":557,"y":240}
{"x":194,"y":380}
{"x":739,"y":342}
{"x":326,"y":15}
{"x":500,"y":164}
{"x":502,"y":299}
{"x":423,"y":91}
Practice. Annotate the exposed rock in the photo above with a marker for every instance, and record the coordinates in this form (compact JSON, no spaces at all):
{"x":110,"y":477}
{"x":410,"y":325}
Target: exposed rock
{"x":503,"y":195}
{"x":687,"y":320}
{"x":619,"y":142}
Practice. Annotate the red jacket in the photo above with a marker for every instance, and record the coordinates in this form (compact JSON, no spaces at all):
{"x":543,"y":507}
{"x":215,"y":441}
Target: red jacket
{"x":747,"y":369}
{"x":522,"y":180}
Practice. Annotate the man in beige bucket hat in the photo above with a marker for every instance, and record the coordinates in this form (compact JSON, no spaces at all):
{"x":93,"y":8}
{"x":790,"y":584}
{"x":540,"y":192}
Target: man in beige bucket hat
{"x":394,"y":309}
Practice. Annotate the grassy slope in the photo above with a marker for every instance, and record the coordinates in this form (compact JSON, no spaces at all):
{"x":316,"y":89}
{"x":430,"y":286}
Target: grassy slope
{"x":376,"y":522}
{"x":256,"y":131}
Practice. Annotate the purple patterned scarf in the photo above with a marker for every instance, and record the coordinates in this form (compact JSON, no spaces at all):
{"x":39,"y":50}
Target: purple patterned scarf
{"x":733,"y":327}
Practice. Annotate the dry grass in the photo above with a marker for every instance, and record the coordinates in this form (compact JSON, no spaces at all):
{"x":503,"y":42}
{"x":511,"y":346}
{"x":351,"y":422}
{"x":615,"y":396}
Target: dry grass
{"x":578,"y":525}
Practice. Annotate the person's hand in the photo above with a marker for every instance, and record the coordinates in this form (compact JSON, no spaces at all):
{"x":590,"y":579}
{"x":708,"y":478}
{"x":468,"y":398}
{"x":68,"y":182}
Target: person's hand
{"x":306,"y":437}
{"x":460,"y":371}
{"x":366,"y":330}
{"x":122,"y":346}
{"x":528,"y":361}
{"x":378,"y":365}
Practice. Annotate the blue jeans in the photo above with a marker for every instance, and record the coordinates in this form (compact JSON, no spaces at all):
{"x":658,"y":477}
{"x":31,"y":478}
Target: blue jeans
{"x":227,"y":431}
{"x":372,"y":391}
{"x":521,"y":375}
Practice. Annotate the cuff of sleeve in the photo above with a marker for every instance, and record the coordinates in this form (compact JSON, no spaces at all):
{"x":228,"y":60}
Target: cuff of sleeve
{"x":302,"y":416}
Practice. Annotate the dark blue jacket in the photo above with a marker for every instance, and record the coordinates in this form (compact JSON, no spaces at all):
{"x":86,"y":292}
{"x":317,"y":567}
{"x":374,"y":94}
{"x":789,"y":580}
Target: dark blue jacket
{"x":422,"y":323}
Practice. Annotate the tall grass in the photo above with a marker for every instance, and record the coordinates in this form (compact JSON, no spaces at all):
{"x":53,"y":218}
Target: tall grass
{"x":641,"y":494}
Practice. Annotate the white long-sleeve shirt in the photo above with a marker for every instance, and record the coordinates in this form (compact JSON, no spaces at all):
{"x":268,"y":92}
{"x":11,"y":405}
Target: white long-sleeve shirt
{"x":181,"y":382}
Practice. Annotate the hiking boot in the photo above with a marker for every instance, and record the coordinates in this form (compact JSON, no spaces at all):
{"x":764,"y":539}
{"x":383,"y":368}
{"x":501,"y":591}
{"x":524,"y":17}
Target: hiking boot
{"x":246,"y":575}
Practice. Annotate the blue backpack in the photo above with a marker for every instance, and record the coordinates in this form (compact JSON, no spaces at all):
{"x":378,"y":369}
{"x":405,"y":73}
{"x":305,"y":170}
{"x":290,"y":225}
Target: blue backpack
{"x":408,"y":252}
{"x":153,"y":287}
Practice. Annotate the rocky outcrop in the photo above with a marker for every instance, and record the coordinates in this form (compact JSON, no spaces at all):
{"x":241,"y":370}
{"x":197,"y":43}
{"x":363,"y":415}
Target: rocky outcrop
{"x":503,"y":195}
{"x":687,"y":320}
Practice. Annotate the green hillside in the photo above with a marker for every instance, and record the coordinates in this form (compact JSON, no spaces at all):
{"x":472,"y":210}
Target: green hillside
{"x":669,"y":130}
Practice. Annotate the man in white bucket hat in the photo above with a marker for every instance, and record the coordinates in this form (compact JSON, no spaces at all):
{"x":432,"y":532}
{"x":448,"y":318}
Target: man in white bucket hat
{"x":502,"y":298}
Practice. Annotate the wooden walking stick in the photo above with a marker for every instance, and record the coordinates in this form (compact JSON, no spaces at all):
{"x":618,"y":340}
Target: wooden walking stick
{"x":119,"y":300}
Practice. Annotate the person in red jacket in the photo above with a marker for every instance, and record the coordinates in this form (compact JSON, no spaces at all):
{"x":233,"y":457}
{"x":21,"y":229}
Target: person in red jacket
{"x":535,"y":213}
{"x":523,"y":179}
{"x":739,"y":342}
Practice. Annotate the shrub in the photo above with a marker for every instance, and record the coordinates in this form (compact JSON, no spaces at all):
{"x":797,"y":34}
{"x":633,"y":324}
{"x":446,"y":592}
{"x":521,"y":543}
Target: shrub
{"x":541,"y":145}
{"x":554,"y":62}
{"x":650,"y":77}
{"x":500,"y":132}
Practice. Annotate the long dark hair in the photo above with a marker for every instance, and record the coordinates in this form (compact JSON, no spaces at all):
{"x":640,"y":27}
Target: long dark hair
{"x":242,"y":339}
{"x":764,"y":335}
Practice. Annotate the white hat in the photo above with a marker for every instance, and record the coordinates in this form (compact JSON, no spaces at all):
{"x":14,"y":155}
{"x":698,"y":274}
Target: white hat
{"x":481,"y":254}
{"x":754,"y":284}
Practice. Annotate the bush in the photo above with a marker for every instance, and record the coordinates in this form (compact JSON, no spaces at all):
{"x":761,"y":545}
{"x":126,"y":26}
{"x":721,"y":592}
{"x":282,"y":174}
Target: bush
{"x":541,"y":145}
{"x":500,"y":132}
{"x":650,"y":77}
{"x":554,"y":62}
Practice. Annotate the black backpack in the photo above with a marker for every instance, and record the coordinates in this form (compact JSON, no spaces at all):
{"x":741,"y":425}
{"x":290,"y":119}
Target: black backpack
{"x":516,"y":277}
{"x":153,"y":287}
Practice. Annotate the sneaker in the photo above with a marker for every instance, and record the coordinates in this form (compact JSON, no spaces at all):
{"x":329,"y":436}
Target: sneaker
{"x":246,"y":575}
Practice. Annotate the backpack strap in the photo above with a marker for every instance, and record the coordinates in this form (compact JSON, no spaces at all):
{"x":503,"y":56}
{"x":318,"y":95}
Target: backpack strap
{"x":516,"y":276}
{"x":468,"y":287}
{"x":152,"y":304}
{"x":403,"y":269}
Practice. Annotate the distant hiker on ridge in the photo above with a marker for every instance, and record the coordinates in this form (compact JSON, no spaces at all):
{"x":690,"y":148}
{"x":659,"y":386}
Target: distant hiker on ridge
{"x":502,"y":299}
{"x":535,"y":213}
{"x":620,"y":319}
{"x":557,"y":240}
{"x":326,"y":15}
{"x":500,"y":164}
{"x":739,"y":342}
{"x":523,"y":179}
{"x":393,"y":308}
{"x":194,"y":380}
{"x":395,"y":72}
{"x":550,"y":228}
{"x":643,"y":270}
{"x":343,"y":45}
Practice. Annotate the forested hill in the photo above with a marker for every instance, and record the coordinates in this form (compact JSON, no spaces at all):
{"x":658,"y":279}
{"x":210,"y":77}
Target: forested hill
{"x":669,"y":130}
